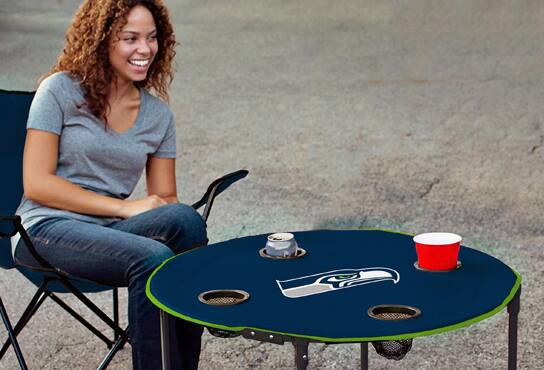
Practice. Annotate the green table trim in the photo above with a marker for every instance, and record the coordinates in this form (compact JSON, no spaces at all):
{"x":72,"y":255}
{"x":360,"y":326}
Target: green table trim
{"x":443,"y":329}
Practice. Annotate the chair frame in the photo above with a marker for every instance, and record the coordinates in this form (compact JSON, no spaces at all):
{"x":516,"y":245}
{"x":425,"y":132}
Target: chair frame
{"x":52,"y":274}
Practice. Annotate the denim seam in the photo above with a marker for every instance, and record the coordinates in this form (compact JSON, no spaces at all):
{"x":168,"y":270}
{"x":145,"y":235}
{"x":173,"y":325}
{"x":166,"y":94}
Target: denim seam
{"x":158,"y":238}
{"x":39,"y":239}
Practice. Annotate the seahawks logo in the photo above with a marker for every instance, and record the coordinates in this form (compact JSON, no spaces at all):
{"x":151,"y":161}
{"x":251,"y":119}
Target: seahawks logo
{"x":334,"y":280}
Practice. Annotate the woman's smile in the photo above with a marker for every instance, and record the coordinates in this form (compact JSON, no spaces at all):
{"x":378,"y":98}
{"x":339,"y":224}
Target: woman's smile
{"x":139,"y":65}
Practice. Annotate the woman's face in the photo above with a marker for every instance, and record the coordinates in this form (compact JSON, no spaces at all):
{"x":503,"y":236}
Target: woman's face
{"x":132,"y":48}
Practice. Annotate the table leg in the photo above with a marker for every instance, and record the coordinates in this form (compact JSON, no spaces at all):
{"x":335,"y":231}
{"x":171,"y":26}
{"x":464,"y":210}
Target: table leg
{"x":364,"y":356}
{"x":513,"y":310}
{"x":301,"y":354}
{"x":165,"y":340}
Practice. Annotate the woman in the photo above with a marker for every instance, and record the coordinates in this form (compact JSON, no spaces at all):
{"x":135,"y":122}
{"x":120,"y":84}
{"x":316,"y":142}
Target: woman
{"x":92,"y":129}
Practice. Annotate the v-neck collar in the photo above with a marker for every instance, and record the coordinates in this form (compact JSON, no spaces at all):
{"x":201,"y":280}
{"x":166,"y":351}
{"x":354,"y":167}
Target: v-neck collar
{"x":138,"y":117}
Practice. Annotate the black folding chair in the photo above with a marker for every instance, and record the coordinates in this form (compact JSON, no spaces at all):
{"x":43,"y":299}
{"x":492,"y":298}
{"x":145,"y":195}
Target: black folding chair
{"x":14,"y":107}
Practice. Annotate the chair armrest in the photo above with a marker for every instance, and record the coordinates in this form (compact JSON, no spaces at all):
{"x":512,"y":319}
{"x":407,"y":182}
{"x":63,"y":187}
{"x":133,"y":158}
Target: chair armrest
{"x":13,"y":219}
{"x":217,"y":187}
{"x":18,"y":228}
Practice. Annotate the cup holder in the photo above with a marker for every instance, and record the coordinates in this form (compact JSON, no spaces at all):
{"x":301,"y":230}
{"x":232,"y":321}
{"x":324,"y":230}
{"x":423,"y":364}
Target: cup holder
{"x":299,"y":253}
{"x":222,"y":333}
{"x":393,"y":349}
{"x":223,"y":297}
{"x":393,"y":312}
{"x":416,"y":265}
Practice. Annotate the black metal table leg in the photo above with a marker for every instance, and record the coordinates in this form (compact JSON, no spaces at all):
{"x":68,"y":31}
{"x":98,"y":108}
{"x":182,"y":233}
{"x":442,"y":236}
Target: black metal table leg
{"x":364,"y":356}
{"x":301,"y":354}
{"x":513,"y":310}
{"x":165,"y":340}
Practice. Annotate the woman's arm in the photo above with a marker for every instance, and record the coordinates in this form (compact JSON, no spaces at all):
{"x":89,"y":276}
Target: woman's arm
{"x":161,"y":178}
{"x":42,"y":185}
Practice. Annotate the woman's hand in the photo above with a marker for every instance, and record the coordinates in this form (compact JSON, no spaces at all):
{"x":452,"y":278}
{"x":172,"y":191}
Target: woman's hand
{"x":131,"y":208}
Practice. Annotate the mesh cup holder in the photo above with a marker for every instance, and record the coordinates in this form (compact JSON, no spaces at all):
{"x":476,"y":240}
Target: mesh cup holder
{"x":223,"y":298}
{"x":393,"y":349}
{"x":221,"y":333}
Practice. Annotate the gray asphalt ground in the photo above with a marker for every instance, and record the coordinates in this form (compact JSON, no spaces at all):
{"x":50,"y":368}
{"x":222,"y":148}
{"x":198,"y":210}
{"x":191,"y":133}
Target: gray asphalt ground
{"x":408,"y":115}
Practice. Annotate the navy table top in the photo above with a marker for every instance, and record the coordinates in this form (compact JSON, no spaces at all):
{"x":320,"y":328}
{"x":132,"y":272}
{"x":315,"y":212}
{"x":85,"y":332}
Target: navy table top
{"x":325,"y":294}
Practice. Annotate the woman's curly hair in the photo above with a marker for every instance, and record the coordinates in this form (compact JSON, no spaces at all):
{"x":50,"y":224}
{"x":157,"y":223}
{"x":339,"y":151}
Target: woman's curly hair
{"x":85,"y":53}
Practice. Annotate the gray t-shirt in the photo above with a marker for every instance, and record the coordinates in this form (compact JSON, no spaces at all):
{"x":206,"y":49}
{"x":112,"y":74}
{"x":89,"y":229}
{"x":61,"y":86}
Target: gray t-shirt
{"x":93,"y":156}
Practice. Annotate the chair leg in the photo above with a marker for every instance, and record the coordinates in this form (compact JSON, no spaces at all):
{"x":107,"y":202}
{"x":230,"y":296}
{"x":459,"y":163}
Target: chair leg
{"x":121,"y":336}
{"x":12,"y":337}
{"x":119,"y":343}
{"x":115,"y":312}
{"x":97,"y":311}
{"x":78,"y":317}
{"x":32,"y":307}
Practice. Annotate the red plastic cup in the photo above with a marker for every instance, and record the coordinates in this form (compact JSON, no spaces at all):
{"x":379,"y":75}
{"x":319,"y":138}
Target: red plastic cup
{"x":437,"y":251}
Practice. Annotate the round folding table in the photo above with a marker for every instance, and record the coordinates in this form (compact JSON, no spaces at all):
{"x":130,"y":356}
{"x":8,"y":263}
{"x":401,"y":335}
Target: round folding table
{"x":329,"y":294}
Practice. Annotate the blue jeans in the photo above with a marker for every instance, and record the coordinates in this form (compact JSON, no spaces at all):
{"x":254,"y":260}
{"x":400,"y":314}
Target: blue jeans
{"x":124,"y":254}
